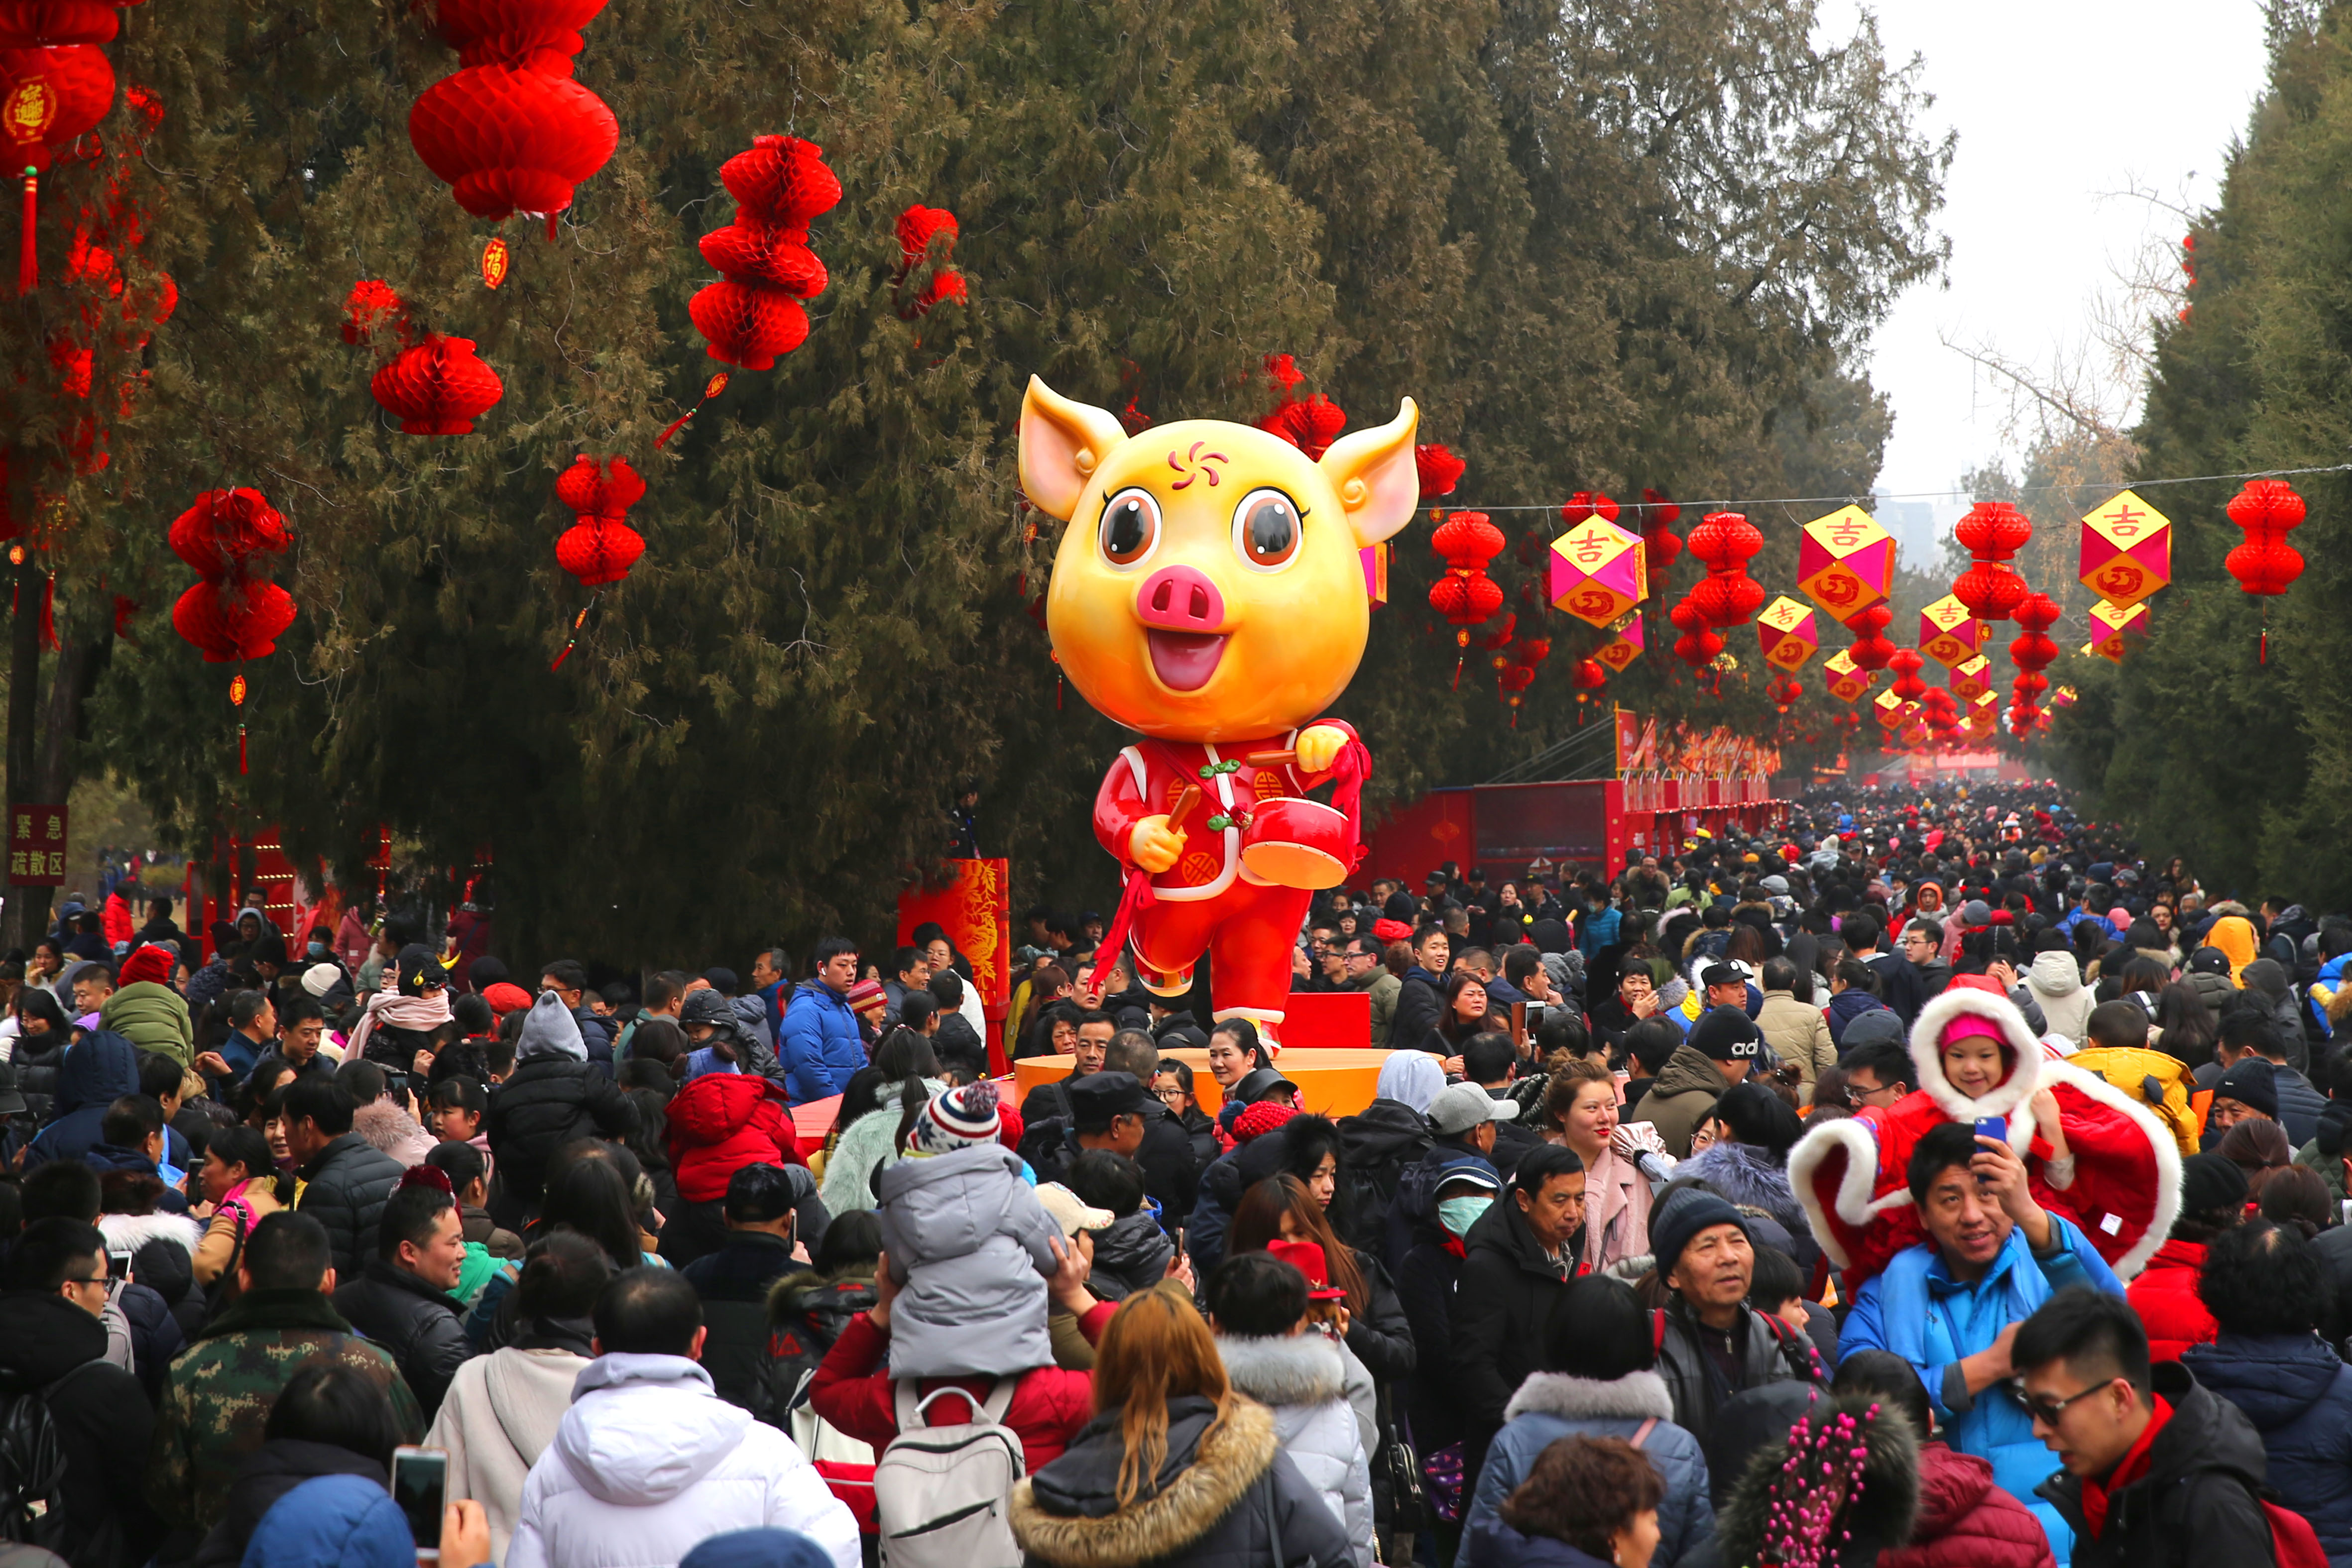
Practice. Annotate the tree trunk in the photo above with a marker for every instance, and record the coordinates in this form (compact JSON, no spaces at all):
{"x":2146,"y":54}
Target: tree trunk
{"x":27,"y":913}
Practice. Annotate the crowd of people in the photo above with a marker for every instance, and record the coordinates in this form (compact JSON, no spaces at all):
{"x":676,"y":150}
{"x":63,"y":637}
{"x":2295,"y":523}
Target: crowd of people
{"x":775,"y":1270}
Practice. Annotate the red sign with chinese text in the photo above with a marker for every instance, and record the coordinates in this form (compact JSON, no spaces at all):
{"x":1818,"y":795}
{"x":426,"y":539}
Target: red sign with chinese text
{"x":37,"y":846}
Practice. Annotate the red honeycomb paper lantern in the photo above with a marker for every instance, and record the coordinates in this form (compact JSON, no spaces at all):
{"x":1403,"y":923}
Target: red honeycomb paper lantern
{"x":781,"y":186}
{"x":230,"y":622}
{"x":1698,"y":646}
{"x":1587,"y":504}
{"x":1993,"y":532}
{"x":526,"y":35}
{"x":509,"y":141}
{"x":50,"y":96}
{"x":230,"y":613}
{"x":1870,"y":651}
{"x":1439,"y":468}
{"x":2265,"y":565}
{"x":917,"y":228}
{"x":1311,"y":424}
{"x":1905,"y":663}
{"x":1726,"y":541}
{"x":600,"y":548}
{"x":437,"y":387}
{"x":1659,"y":542}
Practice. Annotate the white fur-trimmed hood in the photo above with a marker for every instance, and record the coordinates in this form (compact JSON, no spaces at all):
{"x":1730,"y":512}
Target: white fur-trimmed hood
{"x":1297,"y":1369}
{"x":1636,"y":1397}
{"x":1928,"y":1057}
{"x":130,"y":1232}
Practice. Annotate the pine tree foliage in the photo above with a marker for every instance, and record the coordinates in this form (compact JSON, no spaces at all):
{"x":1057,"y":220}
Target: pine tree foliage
{"x":1601,"y":248}
{"x":2235,"y":764}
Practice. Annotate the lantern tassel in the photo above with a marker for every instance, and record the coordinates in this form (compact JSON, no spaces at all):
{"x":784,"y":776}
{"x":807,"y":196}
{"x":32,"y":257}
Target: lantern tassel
{"x":1458,"y":675}
{"x":577,"y":622}
{"x":29,"y":253}
{"x":240,"y":751}
{"x":551,"y":228}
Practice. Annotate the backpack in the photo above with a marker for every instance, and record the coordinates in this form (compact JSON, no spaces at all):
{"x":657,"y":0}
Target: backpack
{"x":943,"y":1495}
{"x":2161,"y":1083}
{"x":2293,"y":1543}
{"x":32,"y":1473}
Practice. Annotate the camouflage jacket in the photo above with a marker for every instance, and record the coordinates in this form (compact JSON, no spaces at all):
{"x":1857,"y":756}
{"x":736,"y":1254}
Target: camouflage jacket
{"x":217,"y":1400}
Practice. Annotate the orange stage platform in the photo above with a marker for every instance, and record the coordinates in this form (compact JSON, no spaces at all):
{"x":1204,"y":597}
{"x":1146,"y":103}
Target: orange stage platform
{"x":1336,"y":1083}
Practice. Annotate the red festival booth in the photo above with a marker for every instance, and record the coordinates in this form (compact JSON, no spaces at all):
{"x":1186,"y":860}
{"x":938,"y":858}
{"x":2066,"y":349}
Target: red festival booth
{"x":1669,"y":783}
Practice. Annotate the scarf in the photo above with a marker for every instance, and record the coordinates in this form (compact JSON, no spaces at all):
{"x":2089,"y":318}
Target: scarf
{"x":2098,"y":1495}
{"x":396,"y":1012}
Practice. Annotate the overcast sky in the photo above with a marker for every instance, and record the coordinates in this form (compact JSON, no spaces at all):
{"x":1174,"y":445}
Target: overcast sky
{"x":2058,"y":103}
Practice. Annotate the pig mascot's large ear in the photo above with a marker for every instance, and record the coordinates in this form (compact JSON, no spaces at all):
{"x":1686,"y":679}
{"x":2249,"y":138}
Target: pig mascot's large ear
{"x":1063,"y":443}
{"x":1374,"y":472}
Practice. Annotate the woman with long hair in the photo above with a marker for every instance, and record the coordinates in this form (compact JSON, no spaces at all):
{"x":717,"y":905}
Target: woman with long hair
{"x":1462,"y":1012}
{"x":1175,"y":1469}
{"x":1372,"y":1322}
{"x":1579,"y":1112}
{"x":2188,"y":1026}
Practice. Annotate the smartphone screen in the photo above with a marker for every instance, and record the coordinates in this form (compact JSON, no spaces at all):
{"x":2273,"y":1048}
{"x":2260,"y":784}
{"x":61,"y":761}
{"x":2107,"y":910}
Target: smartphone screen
{"x":420,"y":1479}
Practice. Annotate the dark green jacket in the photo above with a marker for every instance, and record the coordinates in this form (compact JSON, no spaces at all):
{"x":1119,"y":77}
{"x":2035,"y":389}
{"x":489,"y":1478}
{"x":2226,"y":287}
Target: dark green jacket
{"x":217,"y":1399}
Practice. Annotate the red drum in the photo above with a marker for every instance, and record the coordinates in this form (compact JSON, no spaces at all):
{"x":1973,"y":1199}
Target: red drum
{"x":1296,"y":843}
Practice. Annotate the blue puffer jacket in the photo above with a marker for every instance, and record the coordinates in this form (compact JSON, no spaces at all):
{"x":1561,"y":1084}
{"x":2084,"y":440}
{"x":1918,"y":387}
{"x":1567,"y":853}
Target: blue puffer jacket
{"x":334,"y":1521}
{"x":1550,"y":1406}
{"x":97,"y":1070}
{"x":822,"y":1045}
{"x":1919,"y":1311}
{"x":2299,"y":1397}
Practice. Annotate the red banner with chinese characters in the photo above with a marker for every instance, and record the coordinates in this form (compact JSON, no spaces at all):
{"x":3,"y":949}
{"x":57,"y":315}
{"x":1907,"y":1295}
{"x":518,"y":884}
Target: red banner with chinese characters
{"x":37,"y":846}
{"x":1644,"y":745}
{"x":974,"y":907}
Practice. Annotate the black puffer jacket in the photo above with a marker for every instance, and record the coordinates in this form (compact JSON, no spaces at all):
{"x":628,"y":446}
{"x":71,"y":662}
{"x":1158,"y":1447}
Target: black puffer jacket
{"x":806,"y":1312}
{"x":2196,"y":1505}
{"x":102,"y":1421}
{"x":275,"y":1469}
{"x":346,"y":1187}
{"x":1506,"y":1292}
{"x":1221,"y":1502}
{"x":1377,"y":1144}
{"x":419,"y":1327}
{"x":547,"y":1103}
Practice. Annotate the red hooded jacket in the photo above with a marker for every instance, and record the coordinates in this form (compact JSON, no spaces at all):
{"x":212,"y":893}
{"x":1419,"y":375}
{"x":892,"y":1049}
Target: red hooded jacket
{"x":1965,"y":1522}
{"x":2164,"y":1297}
{"x":721,"y":1122}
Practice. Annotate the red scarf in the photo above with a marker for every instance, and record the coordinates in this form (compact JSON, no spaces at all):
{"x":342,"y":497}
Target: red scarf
{"x":2096,"y":1495}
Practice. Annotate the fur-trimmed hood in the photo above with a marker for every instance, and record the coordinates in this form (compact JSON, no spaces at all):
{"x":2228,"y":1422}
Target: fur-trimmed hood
{"x":130,"y":1232}
{"x":1208,"y":1472}
{"x":2021,"y":1054}
{"x":1296,"y":1369}
{"x":1636,"y":1397}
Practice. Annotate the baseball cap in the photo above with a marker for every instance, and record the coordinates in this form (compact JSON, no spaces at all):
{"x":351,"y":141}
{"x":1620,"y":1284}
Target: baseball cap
{"x":1723,"y":973}
{"x":1257,"y":1083}
{"x":1727,"y":1034}
{"x":1458,"y":1107}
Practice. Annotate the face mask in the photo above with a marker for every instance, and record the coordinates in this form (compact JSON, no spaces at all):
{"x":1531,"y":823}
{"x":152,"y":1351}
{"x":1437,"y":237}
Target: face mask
{"x":315,"y":950}
{"x":1458,"y":1213}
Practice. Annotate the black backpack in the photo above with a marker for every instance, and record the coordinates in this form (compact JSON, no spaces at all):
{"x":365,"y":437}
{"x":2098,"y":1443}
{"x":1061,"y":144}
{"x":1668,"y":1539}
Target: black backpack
{"x":31,"y":1472}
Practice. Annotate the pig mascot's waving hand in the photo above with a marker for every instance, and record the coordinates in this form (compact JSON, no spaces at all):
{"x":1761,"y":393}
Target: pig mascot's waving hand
{"x":1209,"y":593}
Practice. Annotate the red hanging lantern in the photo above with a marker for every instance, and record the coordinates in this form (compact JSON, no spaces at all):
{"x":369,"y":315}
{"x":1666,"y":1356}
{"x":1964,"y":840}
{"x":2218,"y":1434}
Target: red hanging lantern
{"x":1993,"y":532}
{"x":1311,"y":424}
{"x":1439,"y":468}
{"x":1589,"y":676}
{"x":916,"y":228}
{"x":509,"y":141}
{"x":2265,"y":565}
{"x":2032,"y":649}
{"x":1871,"y":649}
{"x":1698,"y":646}
{"x":1784,"y":689}
{"x":1465,"y":595}
{"x":1587,"y":504}
{"x":542,"y":36}
{"x":231,"y":613}
{"x":1725,"y":542}
{"x":1905,"y":663}
{"x":600,"y":547}
{"x":437,"y":387}
{"x":781,"y":186}
{"x":48,"y":97}
{"x":1658,"y":541}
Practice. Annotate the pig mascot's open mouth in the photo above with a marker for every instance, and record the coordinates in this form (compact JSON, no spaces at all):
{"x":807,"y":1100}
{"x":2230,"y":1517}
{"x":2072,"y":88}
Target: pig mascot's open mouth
{"x":1184,"y":660}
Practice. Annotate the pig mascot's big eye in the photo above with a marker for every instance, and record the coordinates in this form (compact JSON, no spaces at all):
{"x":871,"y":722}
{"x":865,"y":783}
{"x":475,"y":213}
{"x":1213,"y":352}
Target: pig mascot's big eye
{"x":1131,"y":527}
{"x":1265,"y":529}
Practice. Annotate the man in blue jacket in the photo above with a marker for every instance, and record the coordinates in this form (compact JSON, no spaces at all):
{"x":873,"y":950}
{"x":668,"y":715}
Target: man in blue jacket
{"x":822,"y":1043}
{"x":1950,"y":1306}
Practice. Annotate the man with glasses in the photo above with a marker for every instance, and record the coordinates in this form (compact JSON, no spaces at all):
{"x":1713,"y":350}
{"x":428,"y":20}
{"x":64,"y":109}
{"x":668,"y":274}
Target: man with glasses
{"x":1365,"y":970}
{"x":1951,"y":1306}
{"x":2158,"y":1470}
{"x":1877,"y":1073}
{"x":52,"y":1345}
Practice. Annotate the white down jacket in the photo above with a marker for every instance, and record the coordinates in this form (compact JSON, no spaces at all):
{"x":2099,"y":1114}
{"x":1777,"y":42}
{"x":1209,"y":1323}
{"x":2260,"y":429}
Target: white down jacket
{"x":1304,"y":1378}
{"x":649,"y":1462}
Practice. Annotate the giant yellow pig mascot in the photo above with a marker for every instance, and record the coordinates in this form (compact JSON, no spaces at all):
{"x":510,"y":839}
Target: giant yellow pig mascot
{"x":1209,"y":593}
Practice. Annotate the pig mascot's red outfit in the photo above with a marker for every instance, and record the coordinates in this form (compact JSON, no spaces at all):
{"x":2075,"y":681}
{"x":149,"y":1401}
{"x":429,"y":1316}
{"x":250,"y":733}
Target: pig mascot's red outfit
{"x":2120,"y":1184}
{"x":1255,"y":851}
